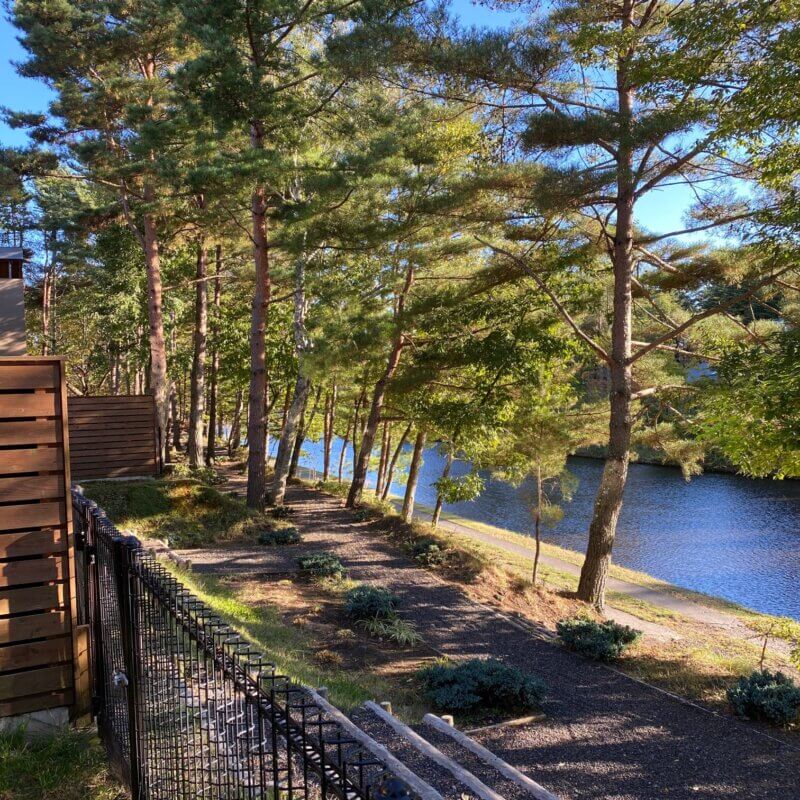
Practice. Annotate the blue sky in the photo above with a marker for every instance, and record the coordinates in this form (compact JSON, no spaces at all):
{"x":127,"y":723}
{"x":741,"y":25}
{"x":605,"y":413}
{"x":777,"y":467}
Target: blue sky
{"x":658,"y":211}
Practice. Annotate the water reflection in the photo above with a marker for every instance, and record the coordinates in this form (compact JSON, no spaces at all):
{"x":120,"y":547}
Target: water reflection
{"x":721,"y":534}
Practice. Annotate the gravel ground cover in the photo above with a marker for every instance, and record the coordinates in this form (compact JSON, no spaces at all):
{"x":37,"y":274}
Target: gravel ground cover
{"x":605,"y":735}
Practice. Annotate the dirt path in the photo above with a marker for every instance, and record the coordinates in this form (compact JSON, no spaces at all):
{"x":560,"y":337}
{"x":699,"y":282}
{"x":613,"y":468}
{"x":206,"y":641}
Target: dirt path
{"x":605,"y":736}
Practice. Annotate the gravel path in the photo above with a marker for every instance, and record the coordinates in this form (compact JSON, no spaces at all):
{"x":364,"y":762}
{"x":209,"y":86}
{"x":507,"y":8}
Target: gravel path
{"x":605,"y":736}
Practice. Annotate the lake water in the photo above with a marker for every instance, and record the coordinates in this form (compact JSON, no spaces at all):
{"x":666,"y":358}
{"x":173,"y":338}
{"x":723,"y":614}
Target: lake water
{"x":721,"y":534}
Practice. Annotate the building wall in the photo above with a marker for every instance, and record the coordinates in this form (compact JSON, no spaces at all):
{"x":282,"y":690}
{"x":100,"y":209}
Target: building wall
{"x":12,"y":317}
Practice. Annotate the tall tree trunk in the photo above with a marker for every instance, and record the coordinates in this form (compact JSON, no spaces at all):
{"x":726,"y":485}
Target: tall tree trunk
{"x":386,"y":443}
{"x":608,"y":503}
{"x":413,"y":477}
{"x":285,"y":457}
{"x":302,"y":429}
{"x":256,"y":424}
{"x":387,"y":485}
{"x":214,"y":418}
{"x":448,"y":465}
{"x":330,"y":420}
{"x":343,"y":451}
{"x":159,"y":383}
{"x":198,"y":387}
{"x":235,"y":437}
{"x":176,"y":421}
{"x":537,"y":524}
{"x":361,"y":466}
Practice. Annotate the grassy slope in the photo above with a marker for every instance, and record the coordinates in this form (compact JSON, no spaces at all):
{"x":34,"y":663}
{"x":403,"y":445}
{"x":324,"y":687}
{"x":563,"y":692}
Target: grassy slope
{"x":68,"y":766}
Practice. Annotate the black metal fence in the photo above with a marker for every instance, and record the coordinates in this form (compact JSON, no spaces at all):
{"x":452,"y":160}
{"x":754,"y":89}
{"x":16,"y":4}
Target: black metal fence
{"x":186,"y":707}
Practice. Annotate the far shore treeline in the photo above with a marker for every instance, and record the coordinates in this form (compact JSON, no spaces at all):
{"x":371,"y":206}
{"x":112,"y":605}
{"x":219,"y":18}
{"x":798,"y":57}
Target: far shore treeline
{"x":298,"y":219}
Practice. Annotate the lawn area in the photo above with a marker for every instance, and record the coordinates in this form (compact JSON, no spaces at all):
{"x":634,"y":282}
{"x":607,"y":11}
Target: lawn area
{"x":69,"y":766}
{"x":184,"y":512}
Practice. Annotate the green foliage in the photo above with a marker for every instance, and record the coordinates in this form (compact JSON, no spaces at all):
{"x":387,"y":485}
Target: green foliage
{"x":767,"y":696}
{"x":429,"y":551}
{"x":280,"y":512}
{"x":481,"y":685}
{"x":278,"y":536}
{"x":399,"y":631}
{"x":322,"y":565}
{"x":601,"y":641}
{"x":70,"y":765}
{"x":371,"y":602}
{"x":460,"y":489}
{"x":363,"y":514}
{"x":206,"y":475}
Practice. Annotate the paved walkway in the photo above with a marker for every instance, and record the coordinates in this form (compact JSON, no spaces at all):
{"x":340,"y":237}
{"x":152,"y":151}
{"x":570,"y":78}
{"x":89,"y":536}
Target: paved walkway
{"x":605,"y":736}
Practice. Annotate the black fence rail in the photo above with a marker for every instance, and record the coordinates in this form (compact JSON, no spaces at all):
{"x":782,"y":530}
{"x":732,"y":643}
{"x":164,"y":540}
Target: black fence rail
{"x":187,"y":708}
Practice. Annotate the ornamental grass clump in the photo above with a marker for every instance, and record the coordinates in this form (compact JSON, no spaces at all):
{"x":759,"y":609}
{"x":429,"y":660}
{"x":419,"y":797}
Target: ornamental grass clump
{"x":322,"y":565}
{"x":766,"y":696}
{"x":600,"y":641}
{"x":429,"y":552}
{"x":481,"y":685}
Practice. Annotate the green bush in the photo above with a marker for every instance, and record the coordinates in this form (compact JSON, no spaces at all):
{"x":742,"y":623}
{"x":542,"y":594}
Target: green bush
{"x":370,"y":602}
{"x":281,"y":512}
{"x":601,"y":641}
{"x":481,"y":684}
{"x":322,"y":565}
{"x":288,"y":535}
{"x":363,"y":514}
{"x":429,"y":552}
{"x":771,"y":697}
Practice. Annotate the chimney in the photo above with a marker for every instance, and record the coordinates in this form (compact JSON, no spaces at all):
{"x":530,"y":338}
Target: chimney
{"x":12,"y":306}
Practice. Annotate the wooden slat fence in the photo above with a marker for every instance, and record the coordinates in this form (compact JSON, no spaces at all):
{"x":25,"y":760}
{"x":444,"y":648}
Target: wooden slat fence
{"x":113,"y":436}
{"x":43,"y":650}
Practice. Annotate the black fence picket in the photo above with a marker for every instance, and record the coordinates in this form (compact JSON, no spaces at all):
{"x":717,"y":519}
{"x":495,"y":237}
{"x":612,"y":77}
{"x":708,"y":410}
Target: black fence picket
{"x":188,"y":708}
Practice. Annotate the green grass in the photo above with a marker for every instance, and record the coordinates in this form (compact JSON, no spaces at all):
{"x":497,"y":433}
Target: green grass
{"x":290,"y":648}
{"x":68,"y":766}
{"x":182,"y":511}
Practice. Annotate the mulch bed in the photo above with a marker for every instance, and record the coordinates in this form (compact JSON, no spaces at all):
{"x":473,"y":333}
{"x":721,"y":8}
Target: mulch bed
{"x":605,"y":735}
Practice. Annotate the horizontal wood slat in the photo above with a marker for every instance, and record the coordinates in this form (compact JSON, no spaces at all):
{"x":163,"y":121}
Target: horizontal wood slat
{"x":29,"y":376}
{"x":80,"y":404}
{"x":32,"y":543}
{"x":33,"y":626}
{"x":116,"y":433}
{"x":32,"y":515}
{"x":35,"y":487}
{"x":25,"y":705}
{"x":32,"y":404}
{"x":35,"y":681}
{"x":30,"y":459}
{"x":32,"y":598}
{"x":115,"y":472}
{"x":34,"y":570}
{"x":36,"y":654}
{"x":26,"y":433}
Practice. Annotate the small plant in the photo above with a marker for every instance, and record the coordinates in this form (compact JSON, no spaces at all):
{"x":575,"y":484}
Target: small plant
{"x":328,"y":658}
{"x":397,"y":630}
{"x":771,"y":697}
{"x":370,"y":602}
{"x":288,"y":535}
{"x":601,"y":641}
{"x":363,"y":514}
{"x":322,"y":565}
{"x":203,"y":474}
{"x":429,"y":552}
{"x":281,"y":512}
{"x":481,"y":684}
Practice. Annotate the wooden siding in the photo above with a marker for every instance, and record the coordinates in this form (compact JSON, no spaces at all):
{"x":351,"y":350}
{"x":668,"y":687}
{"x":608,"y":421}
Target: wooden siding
{"x":113,"y":437}
{"x":39,"y":636}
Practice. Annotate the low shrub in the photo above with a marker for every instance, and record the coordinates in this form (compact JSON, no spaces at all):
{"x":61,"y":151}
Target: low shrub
{"x":429,"y":552}
{"x":481,"y":684}
{"x":370,"y":602}
{"x":206,"y":475}
{"x":601,"y":641}
{"x":767,"y":696}
{"x":363,"y":514}
{"x":278,"y":536}
{"x":280,"y":512}
{"x":322,"y":565}
{"x":395,"y":629}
